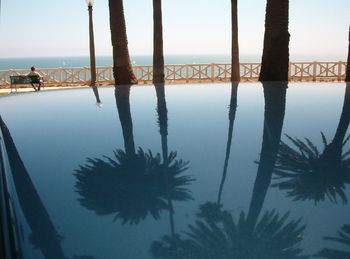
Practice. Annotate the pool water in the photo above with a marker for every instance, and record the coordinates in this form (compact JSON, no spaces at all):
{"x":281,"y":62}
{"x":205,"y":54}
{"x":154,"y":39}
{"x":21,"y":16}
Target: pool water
{"x":181,"y":171}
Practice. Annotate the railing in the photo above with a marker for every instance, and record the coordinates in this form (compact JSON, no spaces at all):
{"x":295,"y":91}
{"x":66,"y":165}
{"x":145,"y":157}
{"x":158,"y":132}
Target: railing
{"x":187,"y":73}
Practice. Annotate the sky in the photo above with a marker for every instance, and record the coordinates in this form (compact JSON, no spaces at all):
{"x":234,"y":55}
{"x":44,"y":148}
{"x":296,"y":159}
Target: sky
{"x":42,"y":28}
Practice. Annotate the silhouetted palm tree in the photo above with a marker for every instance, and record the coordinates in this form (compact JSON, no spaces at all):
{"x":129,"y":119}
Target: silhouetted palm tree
{"x":130,"y":184}
{"x":308,"y":174}
{"x":44,"y":235}
{"x":342,"y":238}
{"x":235,"y":70}
{"x":275,"y":58}
{"x":158,"y":55}
{"x":215,"y":233}
{"x":122,"y":69}
{"x":231,"y":116}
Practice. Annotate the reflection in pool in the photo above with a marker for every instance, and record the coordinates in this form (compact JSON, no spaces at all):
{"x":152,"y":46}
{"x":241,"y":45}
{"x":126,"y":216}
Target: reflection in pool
{"x":182,"y":171}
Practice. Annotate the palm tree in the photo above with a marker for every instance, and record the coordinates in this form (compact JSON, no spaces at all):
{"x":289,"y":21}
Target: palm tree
{"x":347,"y":78}
{"x":231,"y":116}
{"x":122,"y":69}
{"x":158,"y":56}
{"x":130,"y":184}
{"x":344,"y":239}
{"x":235,"y":71}
{"x":44,"y":235}
{"x":275,"y":58}
{"x":308,"y":174}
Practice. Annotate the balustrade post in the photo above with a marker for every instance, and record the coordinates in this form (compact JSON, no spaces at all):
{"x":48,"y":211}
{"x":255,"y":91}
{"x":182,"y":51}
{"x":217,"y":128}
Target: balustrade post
{"x":187,"y":73}
{"x":314,"y":71}
{"x":85,"y":75}
{"x":339,"y":71}
{"x":60,"y":75}
{"x":290,"y":71}
{"x":212,"y":67}
{"x":111,"y":74}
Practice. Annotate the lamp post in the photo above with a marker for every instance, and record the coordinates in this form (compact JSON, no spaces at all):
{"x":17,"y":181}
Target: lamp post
{"x":92,"y":44}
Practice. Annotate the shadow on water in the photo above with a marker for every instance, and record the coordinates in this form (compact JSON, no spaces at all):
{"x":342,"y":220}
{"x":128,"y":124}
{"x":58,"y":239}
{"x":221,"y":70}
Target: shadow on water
{"x":215,"y":233}
{"x":131,"y":184}
{"x":305,"y":173}
{"x":44,"y":235}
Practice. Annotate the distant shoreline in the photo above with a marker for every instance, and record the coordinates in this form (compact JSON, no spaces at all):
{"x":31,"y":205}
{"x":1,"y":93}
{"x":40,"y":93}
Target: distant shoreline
{"x":81,"y":61}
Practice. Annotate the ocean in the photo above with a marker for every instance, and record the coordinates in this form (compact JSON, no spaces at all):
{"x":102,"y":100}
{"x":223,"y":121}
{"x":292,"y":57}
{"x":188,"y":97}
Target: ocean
{"x":53,"y":62}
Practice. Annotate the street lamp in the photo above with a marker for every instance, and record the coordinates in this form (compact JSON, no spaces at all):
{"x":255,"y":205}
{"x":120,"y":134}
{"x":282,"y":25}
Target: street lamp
{"x":92,"y":44}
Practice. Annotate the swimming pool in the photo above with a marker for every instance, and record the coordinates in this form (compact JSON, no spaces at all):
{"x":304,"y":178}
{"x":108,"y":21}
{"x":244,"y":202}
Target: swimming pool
{"x":180,"y":171}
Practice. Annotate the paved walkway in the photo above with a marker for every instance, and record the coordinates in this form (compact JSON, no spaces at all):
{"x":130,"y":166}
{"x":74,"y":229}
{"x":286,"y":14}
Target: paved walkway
{"x":30,"y":89}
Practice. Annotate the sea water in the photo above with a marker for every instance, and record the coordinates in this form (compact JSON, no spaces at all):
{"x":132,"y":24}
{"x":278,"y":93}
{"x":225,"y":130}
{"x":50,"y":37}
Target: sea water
{"x":81,"y":61}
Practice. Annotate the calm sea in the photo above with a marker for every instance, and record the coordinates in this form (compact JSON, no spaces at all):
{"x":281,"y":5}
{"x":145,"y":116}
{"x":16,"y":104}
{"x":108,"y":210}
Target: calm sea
{"x":53,"y":62}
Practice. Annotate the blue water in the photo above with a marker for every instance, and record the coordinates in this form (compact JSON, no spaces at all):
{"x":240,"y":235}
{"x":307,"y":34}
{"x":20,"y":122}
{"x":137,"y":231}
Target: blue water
{"x":92,"y":206}
{"x":53,"y":62}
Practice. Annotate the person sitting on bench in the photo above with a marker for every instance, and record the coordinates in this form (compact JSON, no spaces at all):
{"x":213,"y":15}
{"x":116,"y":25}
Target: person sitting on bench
{"x":35,"y":77}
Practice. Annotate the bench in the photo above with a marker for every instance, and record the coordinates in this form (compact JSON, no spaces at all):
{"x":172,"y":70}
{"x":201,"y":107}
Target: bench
{"x":24,"y":80}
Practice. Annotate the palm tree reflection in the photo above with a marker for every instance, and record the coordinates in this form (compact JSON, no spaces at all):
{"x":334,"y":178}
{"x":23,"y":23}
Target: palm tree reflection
{"x":231,"y":116}
{"x":130,"y":184}
{"x":97,"y":95}
{"x":343,"y":238}
{"x":216,"y":234}
{"x":308,"y":174}
{"x":44,"y":235}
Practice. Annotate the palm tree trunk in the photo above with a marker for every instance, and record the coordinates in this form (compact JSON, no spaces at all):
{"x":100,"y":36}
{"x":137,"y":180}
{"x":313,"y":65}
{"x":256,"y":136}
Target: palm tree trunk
{"x":122,"y":96}
{"x":92,"y":49}
{"x":158,"y":55}
{"x":44,"y":235}
{"x":232,"y":116}
{"x":275,"y":58}
{"x":347,"y":78}
{"x":275,"y":102}
{"x":235,"y":71}
{"x":122,"y":70}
